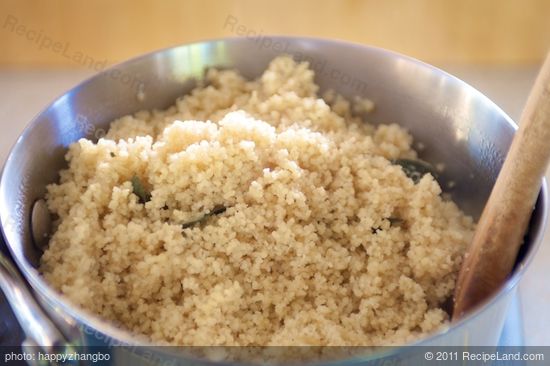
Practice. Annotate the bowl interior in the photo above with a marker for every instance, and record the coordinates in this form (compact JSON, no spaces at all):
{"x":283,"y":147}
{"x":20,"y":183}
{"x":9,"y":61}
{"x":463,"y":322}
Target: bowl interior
{"x":458,"y":126}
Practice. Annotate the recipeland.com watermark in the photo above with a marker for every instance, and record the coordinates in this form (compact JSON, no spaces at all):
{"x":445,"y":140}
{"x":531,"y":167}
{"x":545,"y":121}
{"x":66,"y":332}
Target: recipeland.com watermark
{"x":281,"y":46}
{"x":482,"y":357}
{"x":44,"y":42}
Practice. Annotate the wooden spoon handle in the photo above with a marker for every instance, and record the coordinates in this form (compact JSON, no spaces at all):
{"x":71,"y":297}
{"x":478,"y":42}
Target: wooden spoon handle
{"x":504,"y":220}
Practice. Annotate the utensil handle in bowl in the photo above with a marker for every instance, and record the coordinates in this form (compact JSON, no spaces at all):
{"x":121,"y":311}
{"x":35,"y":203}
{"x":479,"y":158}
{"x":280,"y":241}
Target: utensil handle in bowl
{"x":38,"y":328}
{"x":501,"y":228}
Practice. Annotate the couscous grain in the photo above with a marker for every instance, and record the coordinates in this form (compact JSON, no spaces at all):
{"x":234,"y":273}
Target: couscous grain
{"x":267,"y":216}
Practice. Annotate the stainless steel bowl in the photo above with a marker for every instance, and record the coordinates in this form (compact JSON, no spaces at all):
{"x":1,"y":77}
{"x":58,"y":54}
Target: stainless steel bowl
{"x":458,"y":126}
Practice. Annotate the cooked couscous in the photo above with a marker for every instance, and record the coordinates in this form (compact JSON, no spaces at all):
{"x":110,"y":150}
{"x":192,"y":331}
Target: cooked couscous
{"x":255,"y":213}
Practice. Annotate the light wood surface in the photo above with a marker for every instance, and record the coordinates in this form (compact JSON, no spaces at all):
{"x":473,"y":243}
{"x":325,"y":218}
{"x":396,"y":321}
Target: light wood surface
{"x":504,"y":220}
{"x":437,"y":31}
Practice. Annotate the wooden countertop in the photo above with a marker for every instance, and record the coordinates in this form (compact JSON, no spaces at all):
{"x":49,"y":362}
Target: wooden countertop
{"x":67,"y":32}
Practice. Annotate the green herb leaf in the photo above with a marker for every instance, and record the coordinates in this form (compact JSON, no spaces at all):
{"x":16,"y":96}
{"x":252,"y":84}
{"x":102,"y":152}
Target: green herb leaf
{"x":139,"y":190}
{"x":188,"y":224}
{"x":415,"y":169}
{"x":395,"y":221}
{"x":217,"y":210}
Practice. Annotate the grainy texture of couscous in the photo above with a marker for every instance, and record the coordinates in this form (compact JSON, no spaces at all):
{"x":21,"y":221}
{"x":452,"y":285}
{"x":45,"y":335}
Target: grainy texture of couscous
{"x":304,"y":253}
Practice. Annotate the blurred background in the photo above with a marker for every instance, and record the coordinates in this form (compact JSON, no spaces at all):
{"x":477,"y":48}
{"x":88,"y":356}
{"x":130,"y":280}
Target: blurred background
{"x":436,"y":31}
{"x":47,"y":47}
